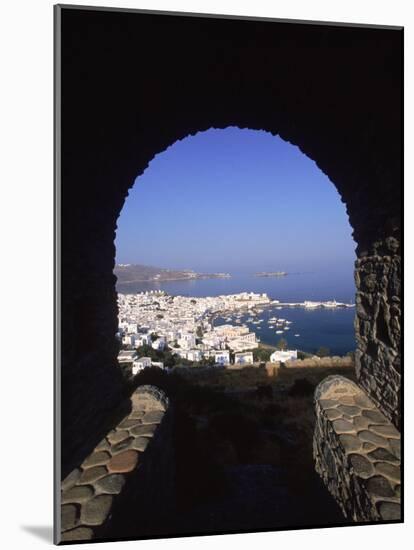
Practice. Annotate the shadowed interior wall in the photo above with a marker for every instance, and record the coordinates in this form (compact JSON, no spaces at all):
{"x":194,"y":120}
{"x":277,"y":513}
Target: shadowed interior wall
{"x":132,"y":85}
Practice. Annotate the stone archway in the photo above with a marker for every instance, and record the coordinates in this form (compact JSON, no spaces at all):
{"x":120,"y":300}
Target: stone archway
{"x":333,"y":91}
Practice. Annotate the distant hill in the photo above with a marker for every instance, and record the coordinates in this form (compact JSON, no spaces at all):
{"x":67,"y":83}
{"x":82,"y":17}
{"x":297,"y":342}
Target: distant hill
{"x":137,"y":273}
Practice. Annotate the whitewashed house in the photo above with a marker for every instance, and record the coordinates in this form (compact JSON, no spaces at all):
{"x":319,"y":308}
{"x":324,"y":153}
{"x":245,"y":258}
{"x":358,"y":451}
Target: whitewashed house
{"x":194,"y":355}
{"x":140,"y":364}
{"x":221,"y":357}
{"x":187,"y":340}
{"x":158,"y":364}
{"x":130,"y":340}
{"x":245,"y":358}
{"x":243,"y":342}
{"x":131,"y":328}
{"x":158,"y":344}
{"x":126,"y":356}
{"x":282,"y":356}
{"x":143,"y":340}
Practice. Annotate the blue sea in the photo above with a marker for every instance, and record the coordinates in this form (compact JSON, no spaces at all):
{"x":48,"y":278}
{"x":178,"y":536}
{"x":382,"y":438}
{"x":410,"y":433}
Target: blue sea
{"x":333,"y":329}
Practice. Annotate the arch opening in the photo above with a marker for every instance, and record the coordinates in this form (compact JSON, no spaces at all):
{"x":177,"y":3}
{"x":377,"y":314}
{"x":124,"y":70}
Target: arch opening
{"x":254,"y":219}
{"x":241,"y":201}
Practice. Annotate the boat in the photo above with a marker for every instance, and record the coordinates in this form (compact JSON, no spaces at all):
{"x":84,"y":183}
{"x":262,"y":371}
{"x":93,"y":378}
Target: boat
{"x":297,"y":334}
{"x":279,"y":332}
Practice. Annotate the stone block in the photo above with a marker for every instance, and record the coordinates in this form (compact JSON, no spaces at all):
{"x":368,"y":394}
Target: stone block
{"x":123,"y":462}
{"x":95,"y":511}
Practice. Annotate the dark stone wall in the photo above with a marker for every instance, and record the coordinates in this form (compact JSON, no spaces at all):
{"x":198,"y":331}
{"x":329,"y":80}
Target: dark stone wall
{"x":133,"y":85}
{"x":378,"y":326}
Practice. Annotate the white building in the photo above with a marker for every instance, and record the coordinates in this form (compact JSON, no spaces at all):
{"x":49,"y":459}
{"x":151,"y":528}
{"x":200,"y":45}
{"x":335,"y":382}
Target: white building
{"x":194,"y":355}
{"x":129,"y":339}
{"x":158,"y":344}
{"x":245,"y":358}
{"x":140,"y":364}
{"x":221,"y":357}
{"x":126,"y":356}
{"x":187,"y":340}
{"x":282,"y":356}
{"x":244,"y":342}
{"x":143,"y":339}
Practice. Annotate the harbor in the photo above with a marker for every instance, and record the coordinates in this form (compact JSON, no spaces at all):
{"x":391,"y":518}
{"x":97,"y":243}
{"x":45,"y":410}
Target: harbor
{"x":308,"y":304}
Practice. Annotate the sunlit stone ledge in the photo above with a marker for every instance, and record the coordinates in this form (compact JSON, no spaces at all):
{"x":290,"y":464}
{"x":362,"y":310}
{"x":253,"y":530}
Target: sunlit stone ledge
{"x":92,"y":492}
{"x":357,"y":452}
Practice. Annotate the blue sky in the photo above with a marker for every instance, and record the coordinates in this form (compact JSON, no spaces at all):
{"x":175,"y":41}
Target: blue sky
{"x":235,"y":200}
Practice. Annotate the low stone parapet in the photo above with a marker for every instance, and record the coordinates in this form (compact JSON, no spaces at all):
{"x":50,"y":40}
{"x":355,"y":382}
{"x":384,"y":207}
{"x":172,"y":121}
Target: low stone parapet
{"x":121,"y":469}
{"x":333,"y":361}
{"x":356,"y":452}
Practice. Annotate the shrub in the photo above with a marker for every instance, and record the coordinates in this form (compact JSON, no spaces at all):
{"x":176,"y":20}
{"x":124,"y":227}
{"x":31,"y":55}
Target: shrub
{"x":323,"y":352}
{"x":261,"y":354}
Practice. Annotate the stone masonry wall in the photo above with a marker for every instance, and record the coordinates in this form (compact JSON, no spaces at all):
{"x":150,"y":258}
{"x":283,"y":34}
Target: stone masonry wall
{"x":356,"y":452}
{"x":334,"y":362}
{"x":272,"y":369}
{"x":378,"y":326}
{"x":125,"y":486}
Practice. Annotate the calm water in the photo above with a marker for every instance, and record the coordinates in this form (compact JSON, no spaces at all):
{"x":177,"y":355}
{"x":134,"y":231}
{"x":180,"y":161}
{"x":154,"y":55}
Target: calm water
{"x":321,"y":327}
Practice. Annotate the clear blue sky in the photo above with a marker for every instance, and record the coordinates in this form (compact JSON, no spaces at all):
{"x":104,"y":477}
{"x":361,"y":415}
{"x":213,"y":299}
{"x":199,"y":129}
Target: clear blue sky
{"x":234,"y":200}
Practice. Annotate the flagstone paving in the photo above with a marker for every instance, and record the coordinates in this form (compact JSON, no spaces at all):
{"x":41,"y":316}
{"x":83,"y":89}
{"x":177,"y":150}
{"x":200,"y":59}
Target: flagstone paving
{"x":89,"y":492}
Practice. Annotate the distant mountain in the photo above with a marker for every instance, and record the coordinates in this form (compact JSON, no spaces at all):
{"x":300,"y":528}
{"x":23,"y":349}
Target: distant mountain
{"x":136,"y":273}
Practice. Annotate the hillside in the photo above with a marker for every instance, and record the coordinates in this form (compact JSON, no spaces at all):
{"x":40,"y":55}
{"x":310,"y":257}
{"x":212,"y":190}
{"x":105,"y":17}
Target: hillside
{"x":137,"y":273}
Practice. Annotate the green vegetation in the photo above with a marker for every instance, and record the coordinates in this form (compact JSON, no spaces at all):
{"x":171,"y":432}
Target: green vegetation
{"x":304,"y":355}
{"x":171,"y":360}
{"x":165,"y":356}
{"x":323,"y":352}
{"x":262,"y":354}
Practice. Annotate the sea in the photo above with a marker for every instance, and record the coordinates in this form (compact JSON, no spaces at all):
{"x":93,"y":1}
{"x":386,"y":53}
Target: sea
{"x":309,"y":329}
